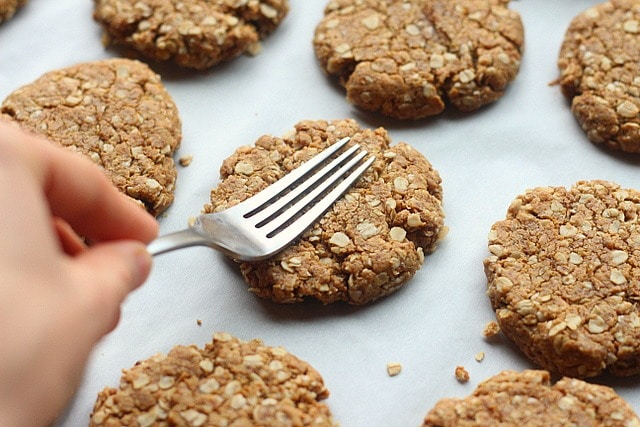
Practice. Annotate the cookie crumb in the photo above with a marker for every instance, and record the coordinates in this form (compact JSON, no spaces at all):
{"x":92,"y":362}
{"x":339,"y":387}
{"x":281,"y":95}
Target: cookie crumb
{"x":394,"y":368}
{"x":185,"y":160}
{"x":192,"y":221}
{"x":491,"y":329}
{"x":461,"y":374}
{"x":479,"y":356}
{"x":199,"y":322}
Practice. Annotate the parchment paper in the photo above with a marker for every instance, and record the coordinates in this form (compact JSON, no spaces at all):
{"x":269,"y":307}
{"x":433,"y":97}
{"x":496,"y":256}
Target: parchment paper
{"x":528,"y":138}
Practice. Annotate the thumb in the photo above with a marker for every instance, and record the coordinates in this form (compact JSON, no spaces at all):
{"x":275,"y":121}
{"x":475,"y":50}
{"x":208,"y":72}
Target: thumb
{"x":108,"y":272}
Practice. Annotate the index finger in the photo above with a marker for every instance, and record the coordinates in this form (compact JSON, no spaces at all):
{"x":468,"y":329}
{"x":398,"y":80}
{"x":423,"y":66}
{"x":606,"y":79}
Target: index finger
{"x":80,"y":193}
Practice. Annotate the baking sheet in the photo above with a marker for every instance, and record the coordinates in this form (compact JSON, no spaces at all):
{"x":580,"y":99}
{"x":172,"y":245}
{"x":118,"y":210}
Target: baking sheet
{"x":528,"y":138}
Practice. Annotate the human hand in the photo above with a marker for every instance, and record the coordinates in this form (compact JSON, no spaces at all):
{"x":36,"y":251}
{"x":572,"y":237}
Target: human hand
{"x":58,"y":296}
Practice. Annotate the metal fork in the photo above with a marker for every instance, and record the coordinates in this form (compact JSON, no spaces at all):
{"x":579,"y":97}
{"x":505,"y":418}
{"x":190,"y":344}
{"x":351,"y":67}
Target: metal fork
{"x":267,"y":222}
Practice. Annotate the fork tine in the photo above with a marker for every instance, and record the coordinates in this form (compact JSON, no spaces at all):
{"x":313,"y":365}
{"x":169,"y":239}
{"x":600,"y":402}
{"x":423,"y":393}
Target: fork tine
{"x":235,"y":234}
{"x":258,"y":216}
{"x":287,"y":230}
{"x":289,"y":179}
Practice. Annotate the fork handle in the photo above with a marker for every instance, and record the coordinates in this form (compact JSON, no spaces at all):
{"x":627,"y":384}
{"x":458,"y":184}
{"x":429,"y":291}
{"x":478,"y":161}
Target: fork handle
{"x":177,"y":240}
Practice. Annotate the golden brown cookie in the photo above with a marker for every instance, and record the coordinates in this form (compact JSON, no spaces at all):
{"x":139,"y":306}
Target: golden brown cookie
{"x":599,"y":65}
{"x":529,"y":399}
{"x":563,"y":277}
{"x":369,"y":243}
{"x":117,"y":113}
{"x":192,"y":33}
{"x":8,"y":8}
{"x":408,"y":58}
{"x":229,"y":382}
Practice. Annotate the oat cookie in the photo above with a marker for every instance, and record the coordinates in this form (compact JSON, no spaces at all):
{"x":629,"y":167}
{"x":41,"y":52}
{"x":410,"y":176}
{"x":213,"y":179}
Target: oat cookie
{"x":563,"y":277}
{"x":192,"y":33}
{"x":117,"y":113}
{"x":229,"y":382}
{"x":369,"y":243}
{"x":529,"y":399}
{"x":408,"y":58}
{"x":8,"y":8}
{"x":599,"y":65}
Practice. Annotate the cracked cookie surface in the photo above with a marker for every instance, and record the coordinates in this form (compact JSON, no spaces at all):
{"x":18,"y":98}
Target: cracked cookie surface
{"x":8,"y":8}
{"x":369,"y":243}
{"x":194,"y":34}
{"x":563,"y":277}
{"x":229,"y":382}
{"x":599,"y":65}
{"x":408,"y":59}
{"x":529,"y":398}
{"x":117,"y":113}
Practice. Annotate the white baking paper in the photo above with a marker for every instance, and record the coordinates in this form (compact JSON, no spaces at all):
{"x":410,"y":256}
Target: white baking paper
{"x":528,"y":138}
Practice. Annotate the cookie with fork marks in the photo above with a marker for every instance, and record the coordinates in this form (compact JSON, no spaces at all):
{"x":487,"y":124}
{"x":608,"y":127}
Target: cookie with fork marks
{"x":370,"y":243}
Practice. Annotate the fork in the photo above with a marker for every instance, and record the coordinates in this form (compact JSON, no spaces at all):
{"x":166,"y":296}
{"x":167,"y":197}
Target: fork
{"x":267,"y":222}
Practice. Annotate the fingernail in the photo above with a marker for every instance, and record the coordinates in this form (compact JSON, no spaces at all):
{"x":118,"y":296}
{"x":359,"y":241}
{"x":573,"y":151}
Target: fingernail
{"x":143,"y":262}
{"x":140,"y":260}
